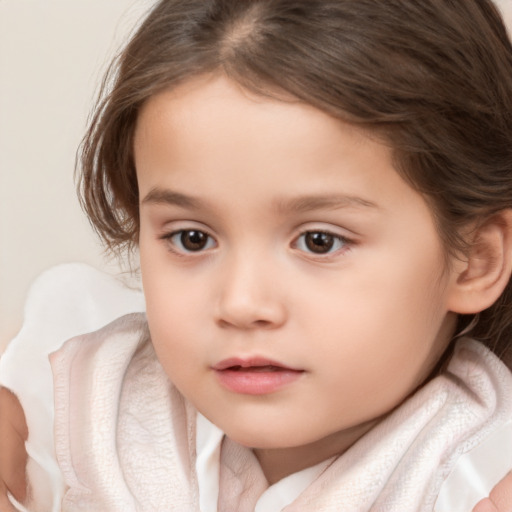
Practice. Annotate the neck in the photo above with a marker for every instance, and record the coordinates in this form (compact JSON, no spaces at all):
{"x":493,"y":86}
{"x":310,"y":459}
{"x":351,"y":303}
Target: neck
{"x":278,"y":463}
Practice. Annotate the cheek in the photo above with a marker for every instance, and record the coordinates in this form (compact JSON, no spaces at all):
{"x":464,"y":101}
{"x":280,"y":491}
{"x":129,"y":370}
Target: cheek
{"x":170,"y":291}
{"x":172,"y":309}
{"x":378,"y":331}
{"x":173,"y":319}
{"x":180,"y":358}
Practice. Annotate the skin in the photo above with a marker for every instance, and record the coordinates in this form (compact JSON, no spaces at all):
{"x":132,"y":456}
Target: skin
{"x":13,"y":460}
{"x":365,"y":323}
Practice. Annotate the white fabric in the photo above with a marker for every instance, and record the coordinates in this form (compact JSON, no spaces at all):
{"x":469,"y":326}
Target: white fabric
{"x":71,"y":299}
{"x":124,"y":436}
{"x":208,"y":443}
{"x":63,"y":302}
{"x":287,"y":490}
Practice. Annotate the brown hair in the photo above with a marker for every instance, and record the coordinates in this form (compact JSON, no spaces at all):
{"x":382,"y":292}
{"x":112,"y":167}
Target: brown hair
{"x":432,"y":77}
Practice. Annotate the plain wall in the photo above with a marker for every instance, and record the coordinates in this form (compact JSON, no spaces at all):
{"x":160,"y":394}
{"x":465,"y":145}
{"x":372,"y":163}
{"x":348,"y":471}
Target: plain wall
{"x":52,"y":56}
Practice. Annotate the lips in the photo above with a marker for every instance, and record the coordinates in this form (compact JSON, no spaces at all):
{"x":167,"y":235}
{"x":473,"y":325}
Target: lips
{"x":251,"y":364}
{"x":255,"y":376}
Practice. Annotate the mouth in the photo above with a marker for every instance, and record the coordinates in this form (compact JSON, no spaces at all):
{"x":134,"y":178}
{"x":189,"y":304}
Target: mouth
{"x":266,"y":368}
{"x":253,"y":363}
{"x":255,"y":376}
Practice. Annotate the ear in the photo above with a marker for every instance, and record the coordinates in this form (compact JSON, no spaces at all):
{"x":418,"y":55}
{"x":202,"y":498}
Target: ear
{"x":480,"y":279}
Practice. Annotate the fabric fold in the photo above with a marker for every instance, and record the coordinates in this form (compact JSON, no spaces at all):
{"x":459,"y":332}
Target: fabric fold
{"x":124,"y":436}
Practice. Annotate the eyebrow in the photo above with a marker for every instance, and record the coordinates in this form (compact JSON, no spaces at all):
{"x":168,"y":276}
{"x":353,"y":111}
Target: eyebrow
{"x":164,"y":196}
{"x":297,"y":204}
{"x":324,"y":202}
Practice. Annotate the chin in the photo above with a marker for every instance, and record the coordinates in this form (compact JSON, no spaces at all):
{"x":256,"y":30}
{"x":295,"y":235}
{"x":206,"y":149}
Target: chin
{"x":267,"y":440}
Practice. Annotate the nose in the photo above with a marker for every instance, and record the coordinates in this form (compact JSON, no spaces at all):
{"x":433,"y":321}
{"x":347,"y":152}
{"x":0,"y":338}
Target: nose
{"x":249,"y":296}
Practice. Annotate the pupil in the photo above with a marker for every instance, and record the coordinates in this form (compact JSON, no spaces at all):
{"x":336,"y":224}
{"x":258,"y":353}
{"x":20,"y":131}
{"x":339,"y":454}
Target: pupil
{"x":319,"y":242}
{"x":194,"y":240}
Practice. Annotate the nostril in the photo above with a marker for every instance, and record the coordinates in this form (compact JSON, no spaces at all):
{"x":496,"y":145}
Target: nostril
{"x":255,"y":324}
{"x":261,"y":323}
{"x":224,"y":324}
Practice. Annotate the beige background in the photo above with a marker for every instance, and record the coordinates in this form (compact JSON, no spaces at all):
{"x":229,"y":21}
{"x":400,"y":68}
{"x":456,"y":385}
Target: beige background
{"x":52,"y":55}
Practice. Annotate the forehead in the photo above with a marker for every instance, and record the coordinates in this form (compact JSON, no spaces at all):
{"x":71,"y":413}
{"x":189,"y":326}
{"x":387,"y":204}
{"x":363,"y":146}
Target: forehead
{"x":212,"y":102}
{"x":212,"y":124}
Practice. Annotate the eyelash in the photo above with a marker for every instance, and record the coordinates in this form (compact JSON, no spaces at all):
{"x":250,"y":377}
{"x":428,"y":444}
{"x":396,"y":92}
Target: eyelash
{"x":175,"y":242}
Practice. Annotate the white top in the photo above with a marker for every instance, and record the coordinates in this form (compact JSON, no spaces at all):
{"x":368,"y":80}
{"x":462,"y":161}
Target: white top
{"x":74,"y":299}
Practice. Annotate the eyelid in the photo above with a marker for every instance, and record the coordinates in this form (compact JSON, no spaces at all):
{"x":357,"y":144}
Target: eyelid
{"x":326,"y":227}
{"x":171,"y":227}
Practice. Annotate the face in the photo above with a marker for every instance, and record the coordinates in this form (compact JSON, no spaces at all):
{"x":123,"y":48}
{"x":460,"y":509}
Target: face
{"x":296,"y":286}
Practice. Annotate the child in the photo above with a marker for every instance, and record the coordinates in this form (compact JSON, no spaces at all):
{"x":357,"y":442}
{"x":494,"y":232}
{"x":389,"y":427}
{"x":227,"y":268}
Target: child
{"x":320,"y":192}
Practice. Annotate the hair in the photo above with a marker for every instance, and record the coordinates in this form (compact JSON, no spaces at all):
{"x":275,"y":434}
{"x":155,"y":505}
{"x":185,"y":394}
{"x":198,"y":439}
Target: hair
{"x":432,"y":78}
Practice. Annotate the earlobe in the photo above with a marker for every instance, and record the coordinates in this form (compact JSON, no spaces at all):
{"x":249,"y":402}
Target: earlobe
{"x":485,"y":272}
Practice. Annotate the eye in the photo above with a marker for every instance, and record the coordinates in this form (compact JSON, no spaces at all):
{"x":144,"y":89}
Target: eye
{"x":320,"y":242}
{"x":190,"y":240}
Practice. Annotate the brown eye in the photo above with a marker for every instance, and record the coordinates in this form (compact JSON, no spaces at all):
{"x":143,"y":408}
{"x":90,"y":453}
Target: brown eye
{"x":319,"y":242}
{"x":194,"y":240}
{"x":190,"y":240}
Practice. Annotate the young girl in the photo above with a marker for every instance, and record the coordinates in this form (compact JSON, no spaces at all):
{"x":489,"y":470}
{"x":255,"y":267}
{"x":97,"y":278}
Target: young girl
{"x":320,"y":191}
